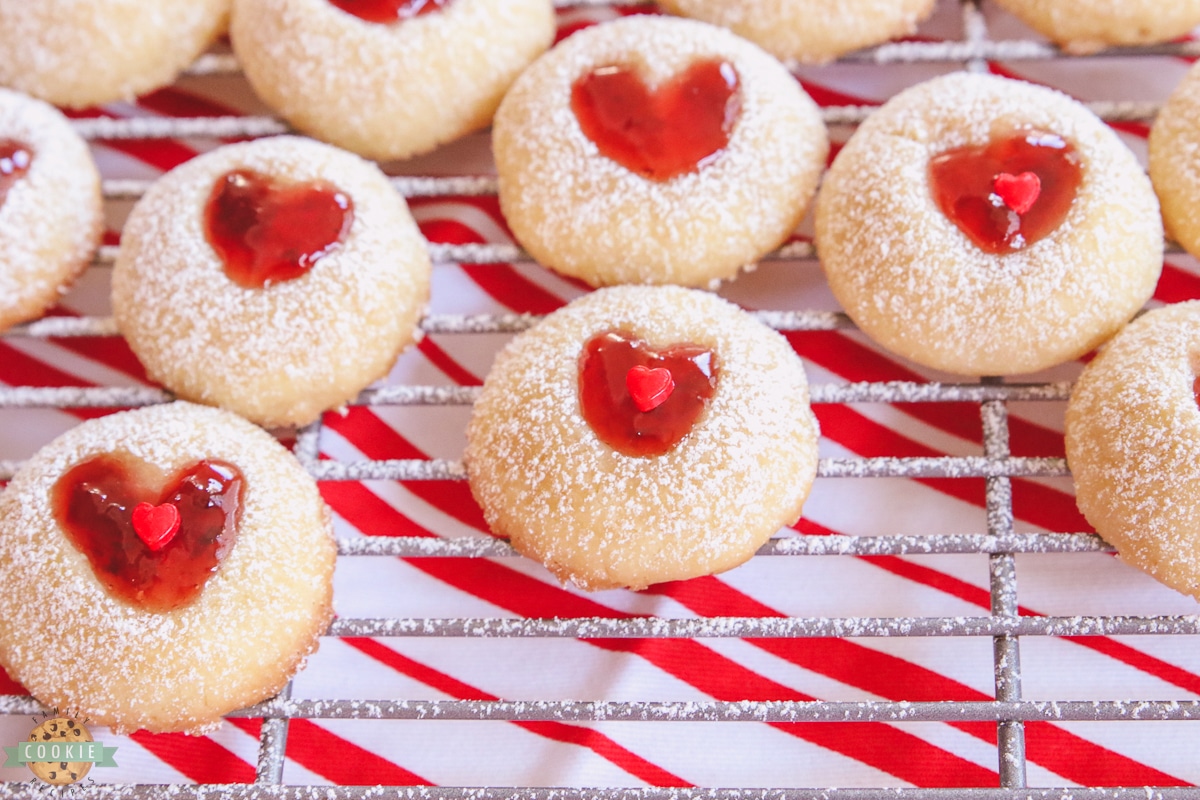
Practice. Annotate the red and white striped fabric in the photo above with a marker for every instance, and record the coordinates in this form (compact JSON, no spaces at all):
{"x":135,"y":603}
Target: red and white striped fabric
{"x":693,"y":753}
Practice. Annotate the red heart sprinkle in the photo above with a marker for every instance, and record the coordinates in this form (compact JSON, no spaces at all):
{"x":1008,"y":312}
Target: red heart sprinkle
{"x":1019,"y":192}
{"x":649,"y":388}
{"x":155,"y":525}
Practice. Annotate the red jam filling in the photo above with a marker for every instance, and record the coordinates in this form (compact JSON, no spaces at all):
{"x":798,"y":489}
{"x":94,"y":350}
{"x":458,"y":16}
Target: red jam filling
{"x":15,"y":159}
{"x":384,"y":12}
{"x":977,"y":187}
{"x":659,"y":133}
{"x":94,"y":504}
{"x":267,"y":231}
{"x":610,"y":408}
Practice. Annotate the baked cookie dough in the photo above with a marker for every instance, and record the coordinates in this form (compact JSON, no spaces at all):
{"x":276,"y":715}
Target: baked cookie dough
{"x":809,"y":31}
{"x":316,"y":333}
{"x":1133,"y":444}
{"x":706,"y":494}
{"x":388,"y":91}
{"x":51,"y":216}
{"x":914,"y":280}
{"x":82,"y":53}
{"x":1175,"y":162}
{"x":1086,"y":26}
{"x":128,"y":639}
{"x":590,"y":216}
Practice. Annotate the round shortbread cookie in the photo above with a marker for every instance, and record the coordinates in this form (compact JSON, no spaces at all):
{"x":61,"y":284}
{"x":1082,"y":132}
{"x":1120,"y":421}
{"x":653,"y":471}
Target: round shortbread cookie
{"x":388,"y":91}
{"x":1175,"y":161}
{"x":585,"y":215}
{"x":1133,"y":444}
{"x":601,"y":518}
{"x":82,"y":53}
{"x":281,"y":354}
{"x":77,"y":646}
{"x":918,"y":285}
{"x":809,"y":31}
{"x":51,"y":217}
{"x":1086,"y":26}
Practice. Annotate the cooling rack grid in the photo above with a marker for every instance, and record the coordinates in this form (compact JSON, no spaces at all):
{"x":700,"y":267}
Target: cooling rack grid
{"x":675,"y":623}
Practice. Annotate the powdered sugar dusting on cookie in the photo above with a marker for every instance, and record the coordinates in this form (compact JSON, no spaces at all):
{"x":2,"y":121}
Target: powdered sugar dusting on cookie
{"x":81,"y":53}
{"x":809,"y":31}
{"x":600,"y":518}
{"x":585,"y":215}
{"x":282,"y":354}
{"x":914,"y":282}
{"x":51,"y":219}
{"x":1133,"y":444}
{"x":254,"y":623}
{"x":1175,"y":161}
{"x":388,"y":91}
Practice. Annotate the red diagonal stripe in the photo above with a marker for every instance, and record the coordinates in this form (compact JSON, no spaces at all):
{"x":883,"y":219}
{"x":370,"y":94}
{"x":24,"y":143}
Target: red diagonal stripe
{"x":1032,"y":501}
{"x":378,"y":440}
{"x":338,"y":760}
{"x":557,"y":731}
{"x":1058,"y":750}
{"x":163,"y":154}
{"x":500,"y":281}
{"x":443,"y":361}
{"x":198,"y":757}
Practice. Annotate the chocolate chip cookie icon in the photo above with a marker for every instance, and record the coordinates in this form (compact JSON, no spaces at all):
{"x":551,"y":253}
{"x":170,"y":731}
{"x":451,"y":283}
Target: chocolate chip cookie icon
{"x":50,"y":732}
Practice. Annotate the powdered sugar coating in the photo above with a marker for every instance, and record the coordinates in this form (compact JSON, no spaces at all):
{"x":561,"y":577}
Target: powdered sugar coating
{"x":809,"y":31}
{"x":914,"y":282}
{"x":51,"y":219}
{"x":587,"y":216}
{"x":1133,"y":444}
{"x":388,"y":91}
{"x":257,"y":618}
{"x":1085,"y":26}
{"x":1175,"y":161}
{"x":81,"y":53}
{"x":282,"y":354}
{"x":603,"y":519}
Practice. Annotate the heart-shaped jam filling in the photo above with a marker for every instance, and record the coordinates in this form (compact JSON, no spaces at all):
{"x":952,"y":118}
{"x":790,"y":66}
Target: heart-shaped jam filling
{"x":641,"y":401}
{"x":675,"y":128}
{"x":15,"y":159}
{"x":102,"y":505}
{"x":384,"y":12}
{"x":267,"y":231}
{"x":1009,"y":193}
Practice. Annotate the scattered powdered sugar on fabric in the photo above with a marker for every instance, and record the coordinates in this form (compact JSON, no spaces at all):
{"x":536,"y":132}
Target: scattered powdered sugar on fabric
{"x":51,"y":218}
{"x":601,"y":518}
{"x":281,"y":354}
{"x":1133,"y":444}
{"x":586,"y":215}
{"x":913,"y":281}
{"x":75,"y":647}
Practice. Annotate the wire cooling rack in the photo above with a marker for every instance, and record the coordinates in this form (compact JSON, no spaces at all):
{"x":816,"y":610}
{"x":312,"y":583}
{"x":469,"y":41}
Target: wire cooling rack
{"x":1000,"y":541}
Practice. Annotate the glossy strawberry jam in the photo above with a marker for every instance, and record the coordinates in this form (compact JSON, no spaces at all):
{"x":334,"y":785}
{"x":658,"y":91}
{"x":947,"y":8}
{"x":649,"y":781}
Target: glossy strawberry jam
{"x":15,"y":159}
{"x":267,"y":231}
{"x":1010,"y":193}
{"x":673,"y":129}
{"x":95,"y":501}
{"x":384,"y":12}
{"x":610,"y":409}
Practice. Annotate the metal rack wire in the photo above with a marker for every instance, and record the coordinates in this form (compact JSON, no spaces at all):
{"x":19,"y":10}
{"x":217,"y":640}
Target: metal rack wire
{"x":1000,"y":542}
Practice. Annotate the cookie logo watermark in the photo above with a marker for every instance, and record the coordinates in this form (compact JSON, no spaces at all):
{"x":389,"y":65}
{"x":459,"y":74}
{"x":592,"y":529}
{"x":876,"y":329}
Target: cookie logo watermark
{"x":60,"y":751}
